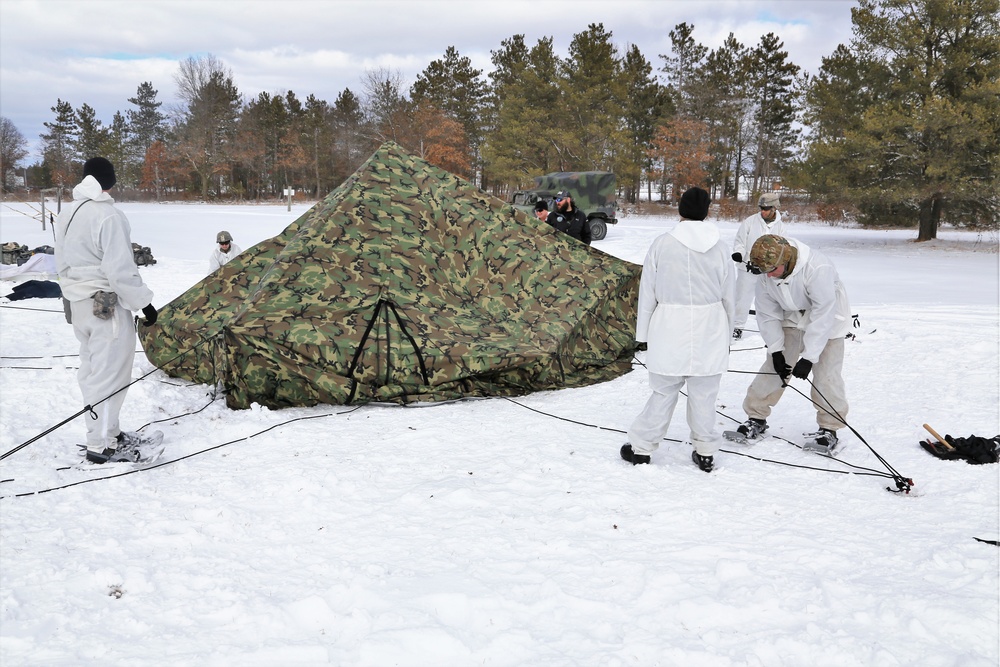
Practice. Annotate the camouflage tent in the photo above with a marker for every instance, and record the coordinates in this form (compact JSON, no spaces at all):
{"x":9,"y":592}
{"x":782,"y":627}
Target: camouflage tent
{"x":404,"y":284}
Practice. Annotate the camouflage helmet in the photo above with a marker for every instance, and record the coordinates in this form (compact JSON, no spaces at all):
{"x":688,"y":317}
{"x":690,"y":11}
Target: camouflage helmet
{"x":769,"y":252}
{"x":769,"y":200}
{"x":223,"y":237}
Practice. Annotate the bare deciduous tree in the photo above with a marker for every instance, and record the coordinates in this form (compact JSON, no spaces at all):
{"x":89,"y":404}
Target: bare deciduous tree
{"x":13,"y":149}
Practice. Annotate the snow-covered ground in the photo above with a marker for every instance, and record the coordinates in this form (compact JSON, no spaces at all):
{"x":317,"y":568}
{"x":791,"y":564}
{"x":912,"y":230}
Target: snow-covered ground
{"x":509,"y":532}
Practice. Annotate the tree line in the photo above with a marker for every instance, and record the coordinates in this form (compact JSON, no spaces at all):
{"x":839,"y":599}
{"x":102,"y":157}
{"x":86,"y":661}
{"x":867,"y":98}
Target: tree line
{"x":902,"y":124}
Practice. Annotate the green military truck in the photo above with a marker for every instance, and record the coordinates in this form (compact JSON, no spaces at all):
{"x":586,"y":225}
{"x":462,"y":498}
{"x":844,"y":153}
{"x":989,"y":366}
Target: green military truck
{"x":593,"y":192}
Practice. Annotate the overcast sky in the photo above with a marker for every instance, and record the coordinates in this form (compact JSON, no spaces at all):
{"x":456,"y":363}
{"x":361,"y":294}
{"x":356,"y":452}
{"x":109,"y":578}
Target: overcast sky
{"x":98,"y":51}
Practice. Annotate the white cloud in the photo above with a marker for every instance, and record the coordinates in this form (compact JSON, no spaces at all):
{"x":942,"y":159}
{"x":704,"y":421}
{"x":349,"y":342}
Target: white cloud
{"x":99,"y":51}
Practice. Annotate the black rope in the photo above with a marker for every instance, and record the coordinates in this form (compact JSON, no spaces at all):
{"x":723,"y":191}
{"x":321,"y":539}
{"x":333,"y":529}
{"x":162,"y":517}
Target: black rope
{"x":39,"y":310}
{"x":867,"y":471}
{"x":903,"y":484}
{"x":52,"y":356}
{"x":86,"y":408}
{"x":90,"y":408}
{"x":133,"y":471}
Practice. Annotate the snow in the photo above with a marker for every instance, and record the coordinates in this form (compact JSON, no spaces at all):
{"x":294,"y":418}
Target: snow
{"x":509,"y":532}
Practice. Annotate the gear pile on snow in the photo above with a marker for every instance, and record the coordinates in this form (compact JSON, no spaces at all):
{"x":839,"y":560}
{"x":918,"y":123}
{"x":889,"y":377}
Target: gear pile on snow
{"x":143,"y":255}
{"x":974,"y":449}
{"x":15,"y":253}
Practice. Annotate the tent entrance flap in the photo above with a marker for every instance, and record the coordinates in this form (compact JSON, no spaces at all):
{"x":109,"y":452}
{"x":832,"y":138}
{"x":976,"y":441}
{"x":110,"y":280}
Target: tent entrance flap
{"x":385,"y":308}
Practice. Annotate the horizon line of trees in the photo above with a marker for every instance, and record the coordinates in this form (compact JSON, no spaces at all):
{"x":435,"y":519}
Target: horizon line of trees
{"x":904,"y":122}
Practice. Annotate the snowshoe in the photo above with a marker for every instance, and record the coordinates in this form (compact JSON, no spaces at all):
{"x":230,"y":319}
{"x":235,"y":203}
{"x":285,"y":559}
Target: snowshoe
{"x":131,"y":447}
{"x":823,"y":441}
{"x":748,"y":432}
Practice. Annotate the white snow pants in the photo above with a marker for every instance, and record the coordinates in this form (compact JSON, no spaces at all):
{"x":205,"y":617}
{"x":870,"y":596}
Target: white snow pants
{"x":107,"y":350}
{"x":746,"y":282}
{"x":827,"y":390}
{"x":652,"y":423}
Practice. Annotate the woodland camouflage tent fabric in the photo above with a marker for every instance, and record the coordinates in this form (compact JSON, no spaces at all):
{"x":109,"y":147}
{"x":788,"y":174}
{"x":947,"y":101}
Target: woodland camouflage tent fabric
{"x":404,"y":284}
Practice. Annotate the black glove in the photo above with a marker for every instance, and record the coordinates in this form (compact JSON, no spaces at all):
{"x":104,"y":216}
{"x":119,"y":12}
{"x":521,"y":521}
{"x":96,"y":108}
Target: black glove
{"x":737,"y":257}
{"x":753,"y":269}
{"x":780,"y":367}
{"x":150,"y":314}
{"x":802,"y":368}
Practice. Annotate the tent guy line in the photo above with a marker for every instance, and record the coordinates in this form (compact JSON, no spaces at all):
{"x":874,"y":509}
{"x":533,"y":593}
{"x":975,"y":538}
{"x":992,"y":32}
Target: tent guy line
{"x":858,"y":470}
{"x":144,"y":468}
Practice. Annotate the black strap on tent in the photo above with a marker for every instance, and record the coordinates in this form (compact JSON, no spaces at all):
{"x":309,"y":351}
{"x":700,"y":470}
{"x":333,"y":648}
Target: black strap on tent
{"x":389,"y":306}
{"x":413,"y":342}
{"x":361,"y":348}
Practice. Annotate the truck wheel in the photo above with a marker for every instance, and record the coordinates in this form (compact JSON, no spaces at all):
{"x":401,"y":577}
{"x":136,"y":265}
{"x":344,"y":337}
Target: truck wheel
{"x":598,"y":229}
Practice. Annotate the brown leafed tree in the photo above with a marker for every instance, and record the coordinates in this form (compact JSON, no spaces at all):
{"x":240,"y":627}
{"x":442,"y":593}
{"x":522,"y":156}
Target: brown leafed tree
{"x":680,"y":154}
{"x":159,"y":171}
{"x":441,"y":140}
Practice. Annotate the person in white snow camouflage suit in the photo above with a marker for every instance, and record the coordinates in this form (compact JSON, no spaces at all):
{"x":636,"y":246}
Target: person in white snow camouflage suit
{"x":804,"y":315}
{"x":225,"y":250}
{"x":685,"y":315}
{"x":99,"y":278}
{"x":768,"y":221}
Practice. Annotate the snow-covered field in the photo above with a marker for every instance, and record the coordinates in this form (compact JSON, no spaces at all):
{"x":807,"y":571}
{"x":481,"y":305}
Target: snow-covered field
{"x":508,"y":532}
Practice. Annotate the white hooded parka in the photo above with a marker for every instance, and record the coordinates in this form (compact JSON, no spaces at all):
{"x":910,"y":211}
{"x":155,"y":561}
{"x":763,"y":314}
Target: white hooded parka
{"x":95,"y":253}
{"x":685,"y":309}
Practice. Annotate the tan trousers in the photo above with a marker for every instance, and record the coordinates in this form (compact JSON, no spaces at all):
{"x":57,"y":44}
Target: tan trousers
{"x":827,"y":391}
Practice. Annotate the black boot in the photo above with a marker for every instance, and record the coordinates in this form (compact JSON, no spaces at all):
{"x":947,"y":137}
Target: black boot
{"x":705,"y":463}
{"x":632,"y":457}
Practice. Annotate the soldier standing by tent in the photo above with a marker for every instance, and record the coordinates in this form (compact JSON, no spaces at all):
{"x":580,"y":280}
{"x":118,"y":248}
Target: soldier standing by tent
{"x":99,"y":277}
{"x":803,"y":313}
{"x":685,"y":314}
{"x":224,"y":251}
{"x":768,"y":221}
{"x":569,"y":219}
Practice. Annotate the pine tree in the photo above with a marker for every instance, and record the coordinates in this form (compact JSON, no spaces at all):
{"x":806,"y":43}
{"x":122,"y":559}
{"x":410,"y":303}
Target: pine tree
{"x":59,"y":145}
{"x":350,"y":146}
{"x":91,"y":133}
{"x":925,"y":144}
{"x":645,"y":105}
{"x":316,"y":135}
{"x":591,"y":95}
{"x":455,"y":88}
{"x":772,"y":81}
{"x":724,"y":102}
{"x":146,"y":123}
{"x":117,"y":147}
{"x":680,"y":67}
{"x":528,"y":117}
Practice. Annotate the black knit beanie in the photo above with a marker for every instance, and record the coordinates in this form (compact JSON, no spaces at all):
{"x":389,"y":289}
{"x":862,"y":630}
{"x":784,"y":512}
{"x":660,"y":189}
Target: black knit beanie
{"x":101,"y":169}
{"x":694,"y":204}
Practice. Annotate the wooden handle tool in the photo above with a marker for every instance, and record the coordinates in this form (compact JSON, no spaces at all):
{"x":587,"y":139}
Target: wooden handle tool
{"x":939,"y":438}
